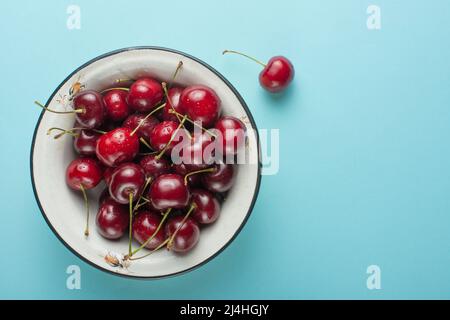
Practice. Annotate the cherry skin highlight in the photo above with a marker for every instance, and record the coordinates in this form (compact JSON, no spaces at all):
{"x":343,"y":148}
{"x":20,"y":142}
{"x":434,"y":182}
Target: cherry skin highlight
{"x":168,"y":191}
{"x":144,"y":94}
{"x":144,"y":226}
{"x":201,"y":104}
{"x":187,"y":235}
{"x":128,"y":178}
{"x":91,"y":103}
{"x":84,"y":173}
{"x":112,"y":219}
{"x":116,"y":105}
{"x":117,"y":146}
{"x":207,"y":208}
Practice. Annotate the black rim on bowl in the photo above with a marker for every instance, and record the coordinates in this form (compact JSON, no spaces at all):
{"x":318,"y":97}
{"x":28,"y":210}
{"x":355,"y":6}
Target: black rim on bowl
{"x":252,"y":122}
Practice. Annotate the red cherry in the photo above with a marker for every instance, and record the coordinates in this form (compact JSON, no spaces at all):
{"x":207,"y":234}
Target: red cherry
{"x":195,"y":153}
{"x":107,"y":174}
{"x":91,"y":103}
{"x":232,"y":133}
{"x":221,"y":179}
{"x":169,"y":191}
{"x":128,"y":178}
{"x":144,"y":94}
{"x":112,"y":219}
{"x":154,"y":166}
{"x":207,"y":207}
{"x":162,"y":134}
{"x":202,"y":104}
{"x":173,"y":103}
{"x":144,"y":226}
{"x":277,"y":73}
{"x":84,"y":173}
{"x":117,"y":146}
{"x":182,"y":169}
{"x":187,"y":235}
{"x":116,"y":106}
{"x":146,"y":124}
{"x":85,"y":142}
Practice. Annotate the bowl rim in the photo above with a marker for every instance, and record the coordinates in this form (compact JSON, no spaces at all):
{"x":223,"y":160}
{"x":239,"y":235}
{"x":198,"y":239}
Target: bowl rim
{"x":253,"y":125}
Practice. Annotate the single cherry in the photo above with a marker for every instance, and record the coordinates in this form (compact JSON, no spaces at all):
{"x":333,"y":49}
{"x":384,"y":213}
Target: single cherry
{"x":91,"y":103}
{"x":112,"y":219}
{"x":144,"y":123}
{"x":165,"y":132}
{"x":201,"y":104}
{"x":173,"y":103}
{"x":85,"y":142}
{"x":144,"y":94}
{"x":232,"y":135}
{"x":277,"y":73}
{"x":198,"y":152}
{"x":117,"y":146}
{"x":145,"y":225}
{"x":187,"y":233}
{"x":127,"y":181}
{"x":154,"y":166}
{"x":221,"y":179}
{"x":84,"y":173}
{"x":168,"y":191}
{"x":116,"y":105}
{"x":207,"y":207}
{"x":182,"y":169}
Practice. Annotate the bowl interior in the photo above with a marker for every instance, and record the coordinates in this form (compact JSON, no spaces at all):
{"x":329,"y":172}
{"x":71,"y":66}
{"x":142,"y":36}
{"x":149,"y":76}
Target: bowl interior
{"x":63,"y":208}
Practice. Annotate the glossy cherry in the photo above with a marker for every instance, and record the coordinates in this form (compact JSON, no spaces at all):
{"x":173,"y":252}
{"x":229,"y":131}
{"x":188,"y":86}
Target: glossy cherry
{"x":207,"y":207}
{"x":145,"y":123}
{"x":232,"y":135}
{"x":154,"y":166}
{"x":117,"y":146}
{"x":168,"y":191}
{"x":127,"y":179}
{"x":112,"y":219}
{"x":84,"y":173}
{"x":162,"y":134}
{"x":144,"y":94}
{"x":277,"y":73}
{"x":221,"y":179}
{"x":85,"y":142}
{"x":91,"y":102}
{"x":182,"y":169}
{"x":186,"y":237}
{"x":144,"y":226}
{"x":173,"y":103}
{"x":116,"y":106}
{"x":201,"y":104}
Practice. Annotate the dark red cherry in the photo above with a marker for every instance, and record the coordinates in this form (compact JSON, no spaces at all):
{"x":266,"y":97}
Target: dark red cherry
{"x":232,"y":135}
{"x":277,"y":73}
{"x":144,"y":94}
{"x":91,"y":103}
{"x":162,"y":134}
{"x":182,"y":169}
{"x":221,"y":179}
{"x":107,"y":174}
{"x":117,"y":146}
{"x":85,"y":142}
{"x":197,"y":153}
{"x":84,"y":173}
{"x":112,"y":219}
{"x":128,"y":178}
{"x":145,"y":129}
{"x":187,"y":235}
{"x":116,"y":105}
{"x":154,"y":166}
{"x":144,"y":226}
{"x":201,"y":104}
{"x":168,"y":191}
{"x":104,"y":196}
{"x":173,"y":103}
{"x":207,"y":207}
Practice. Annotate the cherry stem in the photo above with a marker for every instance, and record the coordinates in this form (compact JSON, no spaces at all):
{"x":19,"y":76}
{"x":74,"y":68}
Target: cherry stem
{"x":141,"y":123}
{"x":166,"y":214}
{"x":164,"y":85}
{"x":124,"y":80}
{"x":70,"y":132}
{"x":115,"y":88}
{"x":138,"y":203}
{"x":86,"y":205}
{"x":170,"y":242}
{"x":156,"y":249}
{"x":58,"y":112}
{"x":196,"y":172}
{"x":180,"y":64}
{"x":130,"y":233}
{"x":157,"y":157}
{"x":145,"y":143}
{"x":245,"y":55}
{"x":195,"y":124}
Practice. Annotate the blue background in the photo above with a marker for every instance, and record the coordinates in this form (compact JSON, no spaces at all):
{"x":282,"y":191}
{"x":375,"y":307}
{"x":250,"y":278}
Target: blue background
{"x":365,"y":154}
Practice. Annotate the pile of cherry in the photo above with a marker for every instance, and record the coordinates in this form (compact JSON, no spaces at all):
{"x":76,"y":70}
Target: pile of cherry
{"x":124,"y":136}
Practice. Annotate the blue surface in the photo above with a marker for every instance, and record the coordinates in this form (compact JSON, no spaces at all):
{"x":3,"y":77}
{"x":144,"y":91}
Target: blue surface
{"x":365,"y":153}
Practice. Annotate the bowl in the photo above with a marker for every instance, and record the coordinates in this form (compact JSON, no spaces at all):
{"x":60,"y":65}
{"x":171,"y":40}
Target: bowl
{"x":63,"y":208}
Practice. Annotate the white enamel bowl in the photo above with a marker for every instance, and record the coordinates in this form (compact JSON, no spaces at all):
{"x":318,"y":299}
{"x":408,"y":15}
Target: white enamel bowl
{"x":63,"y":208}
